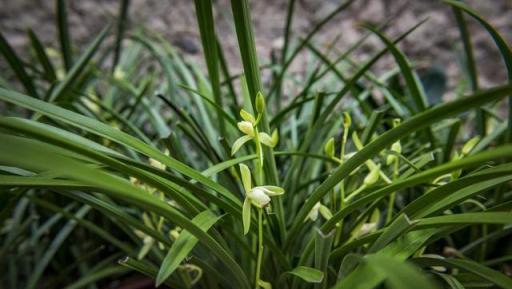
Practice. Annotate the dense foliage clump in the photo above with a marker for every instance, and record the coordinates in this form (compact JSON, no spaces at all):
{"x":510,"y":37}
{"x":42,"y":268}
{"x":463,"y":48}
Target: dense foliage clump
{"x":128,"y":158}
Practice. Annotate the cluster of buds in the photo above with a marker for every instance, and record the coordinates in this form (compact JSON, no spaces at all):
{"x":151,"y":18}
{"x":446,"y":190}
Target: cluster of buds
{"x":248,"y":126}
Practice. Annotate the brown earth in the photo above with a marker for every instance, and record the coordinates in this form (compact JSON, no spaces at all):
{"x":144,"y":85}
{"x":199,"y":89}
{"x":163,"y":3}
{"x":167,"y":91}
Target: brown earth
{"x":434,"y":44}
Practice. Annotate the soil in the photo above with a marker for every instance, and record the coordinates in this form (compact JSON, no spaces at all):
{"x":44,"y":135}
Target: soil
{"x":435,"y":44}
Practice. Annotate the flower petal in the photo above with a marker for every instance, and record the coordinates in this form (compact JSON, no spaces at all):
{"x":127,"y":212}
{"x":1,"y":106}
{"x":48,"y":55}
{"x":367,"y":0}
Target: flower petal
{"x":275,"y":136}
{"x":373,"y":176}
{"x":246,"y":215}
{"x":246,"y":177}
{"x":329,"y":148}
{"x":247,"y":116}
{"x":258,"y":197}
{"x":246,"y":127}
{"x":326,"y":213}
{"x":272,"y":190}
{"x":239,"y":143}
{"x":313,"y":214}
{"x":266,"y":139}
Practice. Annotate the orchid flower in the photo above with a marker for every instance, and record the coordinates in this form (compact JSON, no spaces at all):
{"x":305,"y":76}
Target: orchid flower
{"x":248,"y":127}
{"x":258,"y":196}
{"x":317,"y":209}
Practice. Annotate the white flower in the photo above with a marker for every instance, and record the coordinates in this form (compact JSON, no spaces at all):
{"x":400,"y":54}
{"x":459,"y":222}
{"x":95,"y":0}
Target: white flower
{"x":246,"y":127}
{"x":319,"y":208}
{"x":313,"y":214}
{"x":258,"y":196}
{"x":366,"y":228}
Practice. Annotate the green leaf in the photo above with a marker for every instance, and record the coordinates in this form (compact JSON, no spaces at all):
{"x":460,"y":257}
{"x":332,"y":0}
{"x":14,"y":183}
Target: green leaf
{"x":121,"y":26}
{"x":111,"y":133}
{"x":466,"y":219}
{"x":43,"y":157}
{"x":17,"y":66}
{"x":378,"y":267}
{"x":396,"y":229}
{"x":412,"y":83}
{"x":455,"y":192}
{"x":323,"y":246}
{"x":63,"y":89}
{"x":246,"y":215}
{"x":93,"y":277}
{"x":498,"y":278}
{"x":473,"y":160}
{"x":43,"y":58}
{"x":307,"y":274}
{"x":64,"y":38}
{"x":144,"y":267}
{"x":470,"y":65}
{"x":183,"y":245}
{"x":503,"y":46}
{"x":50,"y":252}
{"x":415,"y":123}
{"x":209,"y":40}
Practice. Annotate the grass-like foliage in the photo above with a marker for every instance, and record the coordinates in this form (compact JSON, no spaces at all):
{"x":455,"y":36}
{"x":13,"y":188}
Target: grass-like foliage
{"x":126,"y":157}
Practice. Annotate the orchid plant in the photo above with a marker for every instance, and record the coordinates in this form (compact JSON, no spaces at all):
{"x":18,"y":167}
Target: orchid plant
{"x":94,"y":167}
{"x":258,"y":196}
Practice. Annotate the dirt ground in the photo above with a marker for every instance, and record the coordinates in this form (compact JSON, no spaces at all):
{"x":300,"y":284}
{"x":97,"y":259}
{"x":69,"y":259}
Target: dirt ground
{"x":435,"y":44}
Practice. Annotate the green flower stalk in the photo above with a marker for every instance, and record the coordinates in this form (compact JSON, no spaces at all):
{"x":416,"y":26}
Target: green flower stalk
{"x":248,"y":126}
{"x":331,"y":153}
{"x":396,"y":149}
{"x":259,"y":197}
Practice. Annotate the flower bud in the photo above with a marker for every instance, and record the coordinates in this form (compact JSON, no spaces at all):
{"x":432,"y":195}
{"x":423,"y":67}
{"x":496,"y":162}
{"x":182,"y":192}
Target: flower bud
{"x":347,"y":120}
{"x":397,"y":148}
{"x":372,"y":177}
{"x":247,"y":116}
{"x":470,"y":145}
{"x":275,"y":137}
{"x":329,"y":148}
{"x":246,"y":127}
{"x":260,"y":103}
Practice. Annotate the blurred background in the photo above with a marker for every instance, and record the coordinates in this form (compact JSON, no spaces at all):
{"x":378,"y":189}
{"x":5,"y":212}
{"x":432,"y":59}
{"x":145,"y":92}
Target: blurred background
{"x":435,"y":46}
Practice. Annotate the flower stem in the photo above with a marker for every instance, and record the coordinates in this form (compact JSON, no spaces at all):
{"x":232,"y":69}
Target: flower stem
{"x":393,"y":194}
{"x":260,"y":248}
{"x":339,"y":228}
{"x":259,"y":159}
